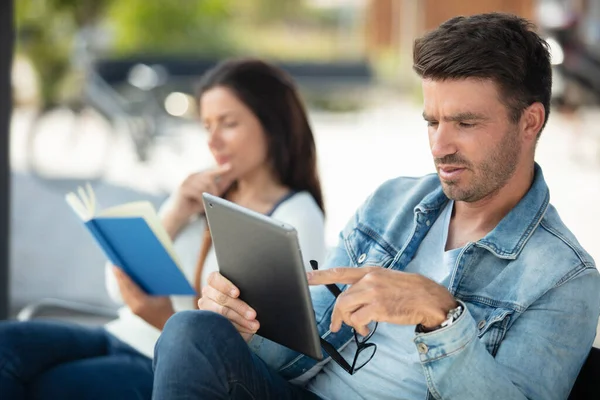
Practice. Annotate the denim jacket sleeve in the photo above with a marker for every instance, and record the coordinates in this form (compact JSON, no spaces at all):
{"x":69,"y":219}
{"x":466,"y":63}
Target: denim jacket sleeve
{"x":539,"y":357}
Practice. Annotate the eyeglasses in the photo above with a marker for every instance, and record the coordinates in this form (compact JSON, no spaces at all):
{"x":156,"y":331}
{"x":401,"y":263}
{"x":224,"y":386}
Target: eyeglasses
{"x":364,"y":351}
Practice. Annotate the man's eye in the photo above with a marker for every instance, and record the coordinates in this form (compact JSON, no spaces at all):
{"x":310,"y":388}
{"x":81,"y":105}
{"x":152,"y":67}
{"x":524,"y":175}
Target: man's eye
{"x":432,"y":123}
{"x":230,"y":124}
{"x":466,"y":125}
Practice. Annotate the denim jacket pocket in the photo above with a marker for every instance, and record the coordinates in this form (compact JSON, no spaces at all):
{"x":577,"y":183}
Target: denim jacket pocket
{"x":492,"y":324}
{"x":365,"y":248}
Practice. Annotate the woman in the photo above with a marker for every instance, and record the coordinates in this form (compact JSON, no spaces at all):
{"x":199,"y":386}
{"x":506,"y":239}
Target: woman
{"x":259,"y":135}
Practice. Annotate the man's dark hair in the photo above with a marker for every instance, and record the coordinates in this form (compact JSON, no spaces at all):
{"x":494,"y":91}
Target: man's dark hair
{"x":501,"y":47}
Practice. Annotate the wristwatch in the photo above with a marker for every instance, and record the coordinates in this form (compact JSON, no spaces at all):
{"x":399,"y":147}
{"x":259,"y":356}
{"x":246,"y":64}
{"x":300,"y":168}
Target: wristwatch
{"x":451,"y":317}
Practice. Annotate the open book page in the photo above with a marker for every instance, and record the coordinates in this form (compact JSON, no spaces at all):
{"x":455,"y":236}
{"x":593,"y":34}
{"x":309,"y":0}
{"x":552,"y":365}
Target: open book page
{"x":145,"y":210}
{"x":84,"y":204}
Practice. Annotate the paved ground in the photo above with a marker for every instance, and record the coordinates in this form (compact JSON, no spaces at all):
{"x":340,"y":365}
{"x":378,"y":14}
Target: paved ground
{"x":53,"y":256}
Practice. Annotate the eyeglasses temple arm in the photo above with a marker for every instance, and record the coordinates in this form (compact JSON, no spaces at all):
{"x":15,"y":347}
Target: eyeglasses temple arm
{"x":336,"y":356}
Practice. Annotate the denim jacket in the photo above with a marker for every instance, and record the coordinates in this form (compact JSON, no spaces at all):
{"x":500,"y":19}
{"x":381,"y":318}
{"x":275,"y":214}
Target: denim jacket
{"x":532,"y":296}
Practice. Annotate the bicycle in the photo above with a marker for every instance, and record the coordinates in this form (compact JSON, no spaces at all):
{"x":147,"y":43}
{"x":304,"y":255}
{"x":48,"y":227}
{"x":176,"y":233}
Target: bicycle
{"x":76,"y":138}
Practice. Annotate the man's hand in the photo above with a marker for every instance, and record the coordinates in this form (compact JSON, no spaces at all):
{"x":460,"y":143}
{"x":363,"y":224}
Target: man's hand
{"x":383,"y":295}
{"x":221,"y":296}
{"x":152,"y":309}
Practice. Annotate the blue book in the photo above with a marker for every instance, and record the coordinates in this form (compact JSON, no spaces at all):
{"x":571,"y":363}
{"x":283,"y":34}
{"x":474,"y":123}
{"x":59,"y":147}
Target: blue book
{"x":134,"y":239}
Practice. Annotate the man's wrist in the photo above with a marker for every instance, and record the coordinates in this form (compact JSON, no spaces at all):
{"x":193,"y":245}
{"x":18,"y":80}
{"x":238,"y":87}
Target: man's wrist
{"x":451,"y":316}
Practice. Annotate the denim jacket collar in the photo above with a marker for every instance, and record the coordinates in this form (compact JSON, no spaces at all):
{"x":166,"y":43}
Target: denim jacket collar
{"x":512,"y":233}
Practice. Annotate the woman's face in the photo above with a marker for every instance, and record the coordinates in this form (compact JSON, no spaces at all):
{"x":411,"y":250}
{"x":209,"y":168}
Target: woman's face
{"x":235,"y":135}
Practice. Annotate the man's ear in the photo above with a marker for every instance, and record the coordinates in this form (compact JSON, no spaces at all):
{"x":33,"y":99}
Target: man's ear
{"x":532,"y":120}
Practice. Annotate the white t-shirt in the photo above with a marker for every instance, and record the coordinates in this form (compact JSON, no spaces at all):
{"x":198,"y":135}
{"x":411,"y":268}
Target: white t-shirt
{"x":300,"y":210}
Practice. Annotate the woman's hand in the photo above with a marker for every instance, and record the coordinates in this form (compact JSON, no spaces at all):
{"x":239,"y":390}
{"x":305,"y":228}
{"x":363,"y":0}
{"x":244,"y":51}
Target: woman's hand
{"x":152,"y":309}
{"x":188,"y":197}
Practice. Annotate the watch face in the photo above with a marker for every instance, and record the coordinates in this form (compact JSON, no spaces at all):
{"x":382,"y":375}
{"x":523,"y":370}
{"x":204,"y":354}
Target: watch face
{"x":451,"y":317}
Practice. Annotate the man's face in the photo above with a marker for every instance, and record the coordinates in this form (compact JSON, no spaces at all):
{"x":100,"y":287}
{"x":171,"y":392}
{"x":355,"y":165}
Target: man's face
{"x":475,"y":146}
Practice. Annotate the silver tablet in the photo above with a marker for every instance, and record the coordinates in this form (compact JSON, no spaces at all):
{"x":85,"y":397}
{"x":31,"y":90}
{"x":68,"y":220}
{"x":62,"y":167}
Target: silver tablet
{"x":262,"y":257}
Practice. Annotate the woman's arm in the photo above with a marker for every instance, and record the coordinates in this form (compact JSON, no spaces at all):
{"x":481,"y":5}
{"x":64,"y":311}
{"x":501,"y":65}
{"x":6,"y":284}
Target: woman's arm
{"x":302,"y":213}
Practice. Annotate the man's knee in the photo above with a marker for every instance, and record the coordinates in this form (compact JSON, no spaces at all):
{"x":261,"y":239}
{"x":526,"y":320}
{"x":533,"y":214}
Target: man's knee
{"x":193,"y":323}
{"x":197,"y":329}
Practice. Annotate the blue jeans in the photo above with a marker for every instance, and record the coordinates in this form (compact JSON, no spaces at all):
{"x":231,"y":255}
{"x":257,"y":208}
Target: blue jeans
{"x":49,"y":360}
{"x":200,"y":355}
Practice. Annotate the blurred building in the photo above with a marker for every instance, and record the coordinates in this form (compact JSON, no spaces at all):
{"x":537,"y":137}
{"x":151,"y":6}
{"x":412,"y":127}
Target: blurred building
{"x":392,"y":25}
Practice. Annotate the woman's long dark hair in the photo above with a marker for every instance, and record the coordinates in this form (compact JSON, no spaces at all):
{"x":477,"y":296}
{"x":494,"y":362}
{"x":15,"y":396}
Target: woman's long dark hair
{"x":272,"y":96}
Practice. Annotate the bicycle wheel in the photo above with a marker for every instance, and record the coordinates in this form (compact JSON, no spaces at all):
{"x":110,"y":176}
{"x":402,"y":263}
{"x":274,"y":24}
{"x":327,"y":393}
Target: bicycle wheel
{"x":69,"y":142}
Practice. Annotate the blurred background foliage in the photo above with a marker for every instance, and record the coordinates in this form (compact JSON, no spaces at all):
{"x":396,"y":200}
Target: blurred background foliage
{"x":51,"y":33}
{"x":45,"y":31}
{"x":175,"y":27}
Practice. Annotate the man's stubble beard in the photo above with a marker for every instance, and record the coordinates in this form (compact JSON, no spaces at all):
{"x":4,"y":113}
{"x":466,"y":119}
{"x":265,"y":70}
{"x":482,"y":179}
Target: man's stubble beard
{"x":488,"y":176}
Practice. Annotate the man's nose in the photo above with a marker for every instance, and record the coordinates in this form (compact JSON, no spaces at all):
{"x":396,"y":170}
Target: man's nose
{"x":442,"y":140}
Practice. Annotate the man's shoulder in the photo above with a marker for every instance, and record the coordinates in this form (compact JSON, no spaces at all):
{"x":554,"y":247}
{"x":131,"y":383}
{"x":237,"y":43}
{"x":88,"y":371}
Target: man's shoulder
{"x":558,"y":234}
{"x":554,"y":244}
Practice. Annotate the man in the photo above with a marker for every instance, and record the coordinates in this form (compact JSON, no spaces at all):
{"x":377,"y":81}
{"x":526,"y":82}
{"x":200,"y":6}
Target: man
{"x":478,"y":289}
